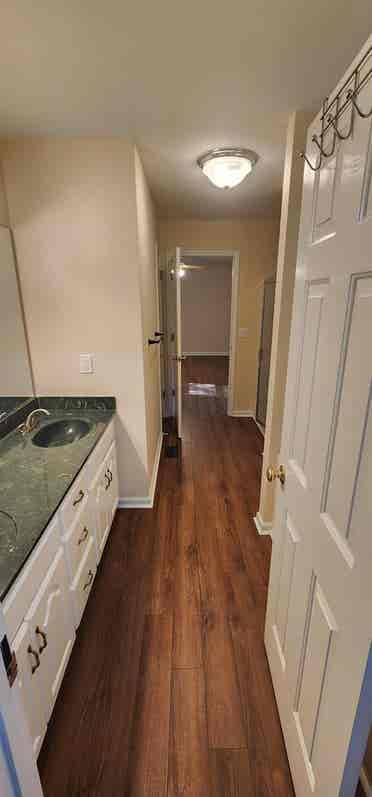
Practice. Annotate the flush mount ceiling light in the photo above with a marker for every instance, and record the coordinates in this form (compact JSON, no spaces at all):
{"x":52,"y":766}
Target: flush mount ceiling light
{"x":226,"y":167}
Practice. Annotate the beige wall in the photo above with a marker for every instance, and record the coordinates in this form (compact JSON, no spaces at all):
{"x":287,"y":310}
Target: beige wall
{"x":15,"y":376}
{"x":146,"y":233}
{"x":206,"y":301}
{"x":257,"y":240}
{"x":72,"y":206}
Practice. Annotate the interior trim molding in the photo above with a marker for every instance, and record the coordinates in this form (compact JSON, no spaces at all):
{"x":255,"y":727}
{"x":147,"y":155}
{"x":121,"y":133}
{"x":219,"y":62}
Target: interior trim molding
{"x":137,"y":502}
{"x":262,"y":527}
{"x":367,"y":788}
{"x":206,"y":353}
{"x":260,"y":427}
{"x":247,"y":414}
{"x":147,"y":501}
{"x":242,"y":414}
{"x":235,"y":270}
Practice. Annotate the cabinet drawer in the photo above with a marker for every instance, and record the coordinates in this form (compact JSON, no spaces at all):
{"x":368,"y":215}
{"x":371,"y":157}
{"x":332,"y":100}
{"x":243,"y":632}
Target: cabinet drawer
{"x":101,"y":449}
{"x":82,"y":584}
{"x":76,"y":498}
{"x":21,"y":594}
{"x":77,"y":538}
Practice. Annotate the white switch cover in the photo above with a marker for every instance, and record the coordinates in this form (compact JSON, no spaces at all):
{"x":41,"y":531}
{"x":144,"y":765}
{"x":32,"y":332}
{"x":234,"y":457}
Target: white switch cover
{"x":86,"y":364}
{"x":243,"y":332}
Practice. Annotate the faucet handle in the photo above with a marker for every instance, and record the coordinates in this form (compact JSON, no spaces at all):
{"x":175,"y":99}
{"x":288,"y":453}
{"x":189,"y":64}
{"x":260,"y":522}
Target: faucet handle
{"x":21,"y":428}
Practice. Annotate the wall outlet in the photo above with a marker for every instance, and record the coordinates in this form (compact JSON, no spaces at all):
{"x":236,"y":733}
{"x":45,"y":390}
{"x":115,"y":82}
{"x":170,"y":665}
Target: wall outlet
{"x":86,"y":364}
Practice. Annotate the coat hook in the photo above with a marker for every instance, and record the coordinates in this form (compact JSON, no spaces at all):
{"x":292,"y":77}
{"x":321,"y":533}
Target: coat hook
{"x":332,"y":120}
{"x":342,"y":136}
{"x":313,"y":168}
{"x":351,"y":96}
{"x":320,"y":145}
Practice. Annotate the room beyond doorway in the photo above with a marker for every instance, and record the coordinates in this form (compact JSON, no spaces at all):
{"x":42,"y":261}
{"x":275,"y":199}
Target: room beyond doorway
{"x":208,"y":322}
{"x":205,"y":381}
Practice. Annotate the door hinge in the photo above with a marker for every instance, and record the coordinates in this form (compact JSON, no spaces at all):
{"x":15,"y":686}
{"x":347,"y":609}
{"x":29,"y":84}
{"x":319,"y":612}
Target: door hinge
{"x":164,"y":394}
{"x":172,"y":337}
{"x":9,"y":659}
{"x":173,"y":391}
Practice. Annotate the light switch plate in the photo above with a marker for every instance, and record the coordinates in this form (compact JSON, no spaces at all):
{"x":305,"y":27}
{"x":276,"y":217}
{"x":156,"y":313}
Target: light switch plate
{"x":86,"y":364}
{"x":243,"y":332}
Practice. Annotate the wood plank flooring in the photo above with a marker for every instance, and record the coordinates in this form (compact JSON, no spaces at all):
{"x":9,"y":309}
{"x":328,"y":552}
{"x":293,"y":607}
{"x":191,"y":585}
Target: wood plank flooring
{"x":168,"y":692}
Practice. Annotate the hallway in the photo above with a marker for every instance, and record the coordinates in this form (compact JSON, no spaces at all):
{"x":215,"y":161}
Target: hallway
{"x":168,"y":690}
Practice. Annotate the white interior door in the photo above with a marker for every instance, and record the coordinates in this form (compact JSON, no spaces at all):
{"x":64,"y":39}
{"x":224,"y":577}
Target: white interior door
{"x":174,"y":341}
{"x":318,"y":624}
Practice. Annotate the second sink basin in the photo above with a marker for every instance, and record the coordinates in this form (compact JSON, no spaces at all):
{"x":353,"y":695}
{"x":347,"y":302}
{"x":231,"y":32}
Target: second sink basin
{"x":60,"y":433}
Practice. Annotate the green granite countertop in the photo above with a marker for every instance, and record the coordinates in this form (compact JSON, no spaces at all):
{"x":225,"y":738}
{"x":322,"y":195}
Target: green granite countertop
{"x":33,"y":482}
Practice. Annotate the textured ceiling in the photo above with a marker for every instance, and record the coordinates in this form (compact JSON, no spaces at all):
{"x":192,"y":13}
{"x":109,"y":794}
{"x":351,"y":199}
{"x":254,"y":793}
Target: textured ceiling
{"x":178,"y":78}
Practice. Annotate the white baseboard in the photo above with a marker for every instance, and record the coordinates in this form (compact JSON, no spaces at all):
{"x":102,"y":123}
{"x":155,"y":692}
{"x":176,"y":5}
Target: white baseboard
{"x":206,"y":353}
{"x":262,"y":527}
{"x":147,"y":501}
{"x":242,"y":414}
{"x":367,"y":788}
{"x":137,"y":502}
{"x":247,"y":414}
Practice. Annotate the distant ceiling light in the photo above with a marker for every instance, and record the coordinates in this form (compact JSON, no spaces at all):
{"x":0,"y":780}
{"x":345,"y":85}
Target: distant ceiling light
{"x":226,"y":167}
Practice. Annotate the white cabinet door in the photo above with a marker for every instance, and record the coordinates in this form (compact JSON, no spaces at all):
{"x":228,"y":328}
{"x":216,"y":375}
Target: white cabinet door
{"x":18,"y":769}
{"x":29,"y":684}
{"x":101,"y":517}
{"x":112,"y":489}
{"x":81,"y":586}
{"x":105,"y":495}
{"x":51,"y":629}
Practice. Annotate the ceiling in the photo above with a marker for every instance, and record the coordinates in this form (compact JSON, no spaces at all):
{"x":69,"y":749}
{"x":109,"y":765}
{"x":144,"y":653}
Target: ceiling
{"x":178,"y":77}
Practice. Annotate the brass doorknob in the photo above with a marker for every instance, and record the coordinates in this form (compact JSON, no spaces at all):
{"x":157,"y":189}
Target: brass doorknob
{"x":276,"y":473}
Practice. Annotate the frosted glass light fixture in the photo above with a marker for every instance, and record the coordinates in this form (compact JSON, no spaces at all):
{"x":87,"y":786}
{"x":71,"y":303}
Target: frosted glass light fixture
{"x":226,"y":167}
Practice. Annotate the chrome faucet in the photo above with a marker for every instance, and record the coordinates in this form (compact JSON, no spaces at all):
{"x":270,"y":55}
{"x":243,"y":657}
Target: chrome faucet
{"x":31,"y":421}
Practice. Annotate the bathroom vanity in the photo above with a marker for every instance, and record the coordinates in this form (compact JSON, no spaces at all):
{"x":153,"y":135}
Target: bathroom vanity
{"x":57,"y":503}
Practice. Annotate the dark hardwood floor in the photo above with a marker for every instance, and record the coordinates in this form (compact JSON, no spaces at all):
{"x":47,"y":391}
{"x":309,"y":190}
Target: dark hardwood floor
{"x":168,"y":692}
{"x":205,"y":370}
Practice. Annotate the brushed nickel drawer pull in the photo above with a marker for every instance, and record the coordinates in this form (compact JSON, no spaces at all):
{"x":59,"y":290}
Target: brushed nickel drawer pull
{"x":108,"y":481}
{"x":83,"y":536}
{"x":43,"y":637}
{"x":90,"y":579}
{"x":109,"y":471}
{"x":36,"y":656}
{"x":80,"y":498}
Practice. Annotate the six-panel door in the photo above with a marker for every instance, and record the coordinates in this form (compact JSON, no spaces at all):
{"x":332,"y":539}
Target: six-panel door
{"x":320,"y":595}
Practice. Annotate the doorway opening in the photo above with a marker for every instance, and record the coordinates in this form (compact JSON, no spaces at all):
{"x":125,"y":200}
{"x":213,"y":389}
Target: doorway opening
{"x":200,"y":339}
{"x":206,"y":324}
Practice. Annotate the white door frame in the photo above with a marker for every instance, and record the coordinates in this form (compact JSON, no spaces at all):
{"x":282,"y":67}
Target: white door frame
{"x":267,"y":281}
{"x":235,"y":255}
{"x":159,"y":314}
